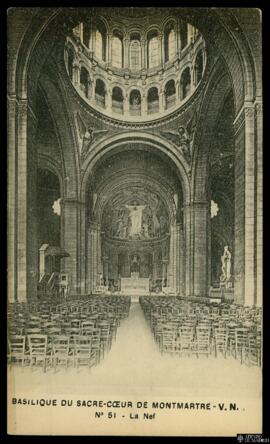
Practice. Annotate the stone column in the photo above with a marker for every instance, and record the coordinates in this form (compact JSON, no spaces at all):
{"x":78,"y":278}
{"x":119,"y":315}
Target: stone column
{"x":259,"y":206}
{"x":91,"y":39}
{"x":162,"y":49}
{"x":23,"y":252}
{"x":32,"y":246}
{"x":177,"y":36}
{"x":11,"y":198}
{"x":144,"y":104}
{"x":94,"y":255}
{"x":71,"y":238}
{"x":108,"y":100}
{"x":21,"y":200}
{"x":126,"y":52}
{"x":154,"y":271}
{"x":188,"y":248}
{"x":82,"y":241}
{"x":246,"y":255}
{"x":174,"y":263}
{"x":76,"y":74}
{"x":161,"y":101}
{"x":144,"y":53}
{"x":125,"y":103}
{"x":200,"y":222}
{"x":164,"y":271}
{"x":109,"y":60}
{"x":105,"y":263}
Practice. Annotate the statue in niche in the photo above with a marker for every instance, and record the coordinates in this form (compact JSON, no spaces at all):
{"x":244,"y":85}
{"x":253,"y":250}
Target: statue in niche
{"x":87,"y":134}
{"x":225,"y":266}
{"x":183,"y":137}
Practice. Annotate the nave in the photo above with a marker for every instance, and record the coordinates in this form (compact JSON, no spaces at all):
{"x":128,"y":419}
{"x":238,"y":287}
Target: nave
{"x":134,"y":365}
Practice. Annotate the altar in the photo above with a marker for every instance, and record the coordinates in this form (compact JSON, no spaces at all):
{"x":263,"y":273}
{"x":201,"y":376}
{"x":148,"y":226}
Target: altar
{"x":134,"y":285}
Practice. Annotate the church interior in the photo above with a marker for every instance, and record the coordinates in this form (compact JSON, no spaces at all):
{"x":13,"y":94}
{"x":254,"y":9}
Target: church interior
{"x":135,"y":198}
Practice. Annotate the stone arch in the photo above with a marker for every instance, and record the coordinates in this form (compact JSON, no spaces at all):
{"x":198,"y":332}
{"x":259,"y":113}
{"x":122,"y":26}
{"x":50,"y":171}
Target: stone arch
{"x":219,"y":86}
{"x":45,"y":162}
{"x":105,"y":146}
{"x":152,"y":184}
{"x":64,"y":129}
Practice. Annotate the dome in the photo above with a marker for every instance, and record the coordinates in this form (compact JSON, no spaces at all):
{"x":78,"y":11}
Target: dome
{"x":135,"y":64}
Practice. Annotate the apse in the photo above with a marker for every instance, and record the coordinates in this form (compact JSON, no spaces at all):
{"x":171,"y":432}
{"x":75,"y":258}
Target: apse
{"x":135,"y":205}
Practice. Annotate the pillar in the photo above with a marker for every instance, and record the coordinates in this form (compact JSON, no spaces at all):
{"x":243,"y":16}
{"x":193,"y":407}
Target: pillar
{"x":76,"y":74}
{"x":201,"y":215}
{"x":161,"y":101}
{"x":126,"y":52}
{"x":162,"y":49}
{"x":125,"y":103}
{"x":91,"y":39}
{"x":12,"y":195}
{"x":105,"y":264}
{"x":188,"y":248}
{"x":248,"y":200}
{"x":71,"y":238}
{"x":144,"y":104}
{"x":173,"y":276}
{"x":144,"y":53}
{"x":94,"y":256}
{"x":109,"y":59}
{"x":259,"y":206}
{"x":164,"y":271}
{"x":108,"y":100}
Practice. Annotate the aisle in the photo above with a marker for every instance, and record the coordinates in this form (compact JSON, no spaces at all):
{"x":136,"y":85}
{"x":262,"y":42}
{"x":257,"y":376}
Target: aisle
{"x":135,"y":365}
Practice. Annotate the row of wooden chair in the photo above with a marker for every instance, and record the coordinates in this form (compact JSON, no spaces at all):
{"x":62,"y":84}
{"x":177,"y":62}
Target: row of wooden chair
{"x":36,"y":350}
{"x":39,"y":333}
{"x":194,"y":331}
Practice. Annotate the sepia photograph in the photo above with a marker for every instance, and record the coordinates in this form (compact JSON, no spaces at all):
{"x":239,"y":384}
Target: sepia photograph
{"x":134,"y":221}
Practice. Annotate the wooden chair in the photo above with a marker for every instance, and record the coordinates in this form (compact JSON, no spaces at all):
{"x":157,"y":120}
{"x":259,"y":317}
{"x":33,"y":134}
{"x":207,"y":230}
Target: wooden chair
{"x":87,"y":327}
{"x":168,"y":340}
{"x":83,"y":353}
{"x":186,"y":339}
{"x":17,"y":348}
{"x":38,"y":349}
{"x":202,"y":343}
{"x":61,"y":351}
{"x":241,"y":343}
{"x":220,"y":337}
{"x":105,"y":335}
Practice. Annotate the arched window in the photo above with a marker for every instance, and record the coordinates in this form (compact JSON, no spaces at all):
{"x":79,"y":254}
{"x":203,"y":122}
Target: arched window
{"x":135,"y":103}
{"x":84,"y":81}
{"x":153,"y":50}
{"x":135,"y":52}
{"x":198,"y":67}
{"x":100,"y":92}
{"x":117,"y":100}
{"x":117,"y":51}
{"x":99,"y":45}
{"x":86,"y":34}
{"x":172,"y":44}
{"x":169,"y":42}
{"x":70,"y":61}
{"x":183,"y":34}
{"x":152,"y":100}
{"x":100,"y":42}
{"x":170,"y":93}
{"x":185,"y":83}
